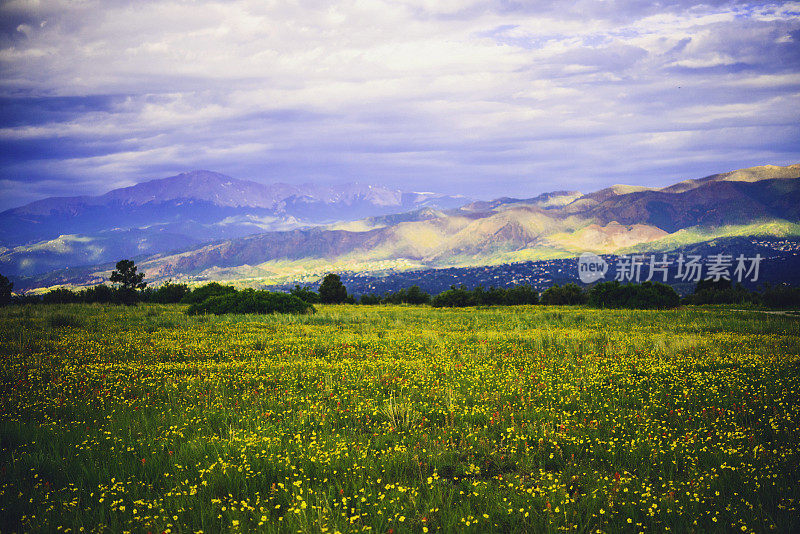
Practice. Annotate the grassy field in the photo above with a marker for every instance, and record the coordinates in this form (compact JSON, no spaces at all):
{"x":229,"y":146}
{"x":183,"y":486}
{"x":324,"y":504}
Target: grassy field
{"x":398,"y":419}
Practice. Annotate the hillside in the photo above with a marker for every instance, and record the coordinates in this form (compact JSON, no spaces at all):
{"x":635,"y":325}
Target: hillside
{"x":554,"y":225}
{"x":172,"y":213}
{"x":509,"y":230}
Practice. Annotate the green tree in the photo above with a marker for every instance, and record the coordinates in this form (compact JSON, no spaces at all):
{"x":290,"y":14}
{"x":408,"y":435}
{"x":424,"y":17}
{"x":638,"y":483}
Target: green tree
{"x":332,"y":291}
{"x":6,"y":286}
{"x":129,"y":281}
{"x":126,"y":276}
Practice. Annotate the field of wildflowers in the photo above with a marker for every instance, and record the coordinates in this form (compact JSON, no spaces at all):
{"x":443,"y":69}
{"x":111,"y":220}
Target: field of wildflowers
{"x":398,"y":419}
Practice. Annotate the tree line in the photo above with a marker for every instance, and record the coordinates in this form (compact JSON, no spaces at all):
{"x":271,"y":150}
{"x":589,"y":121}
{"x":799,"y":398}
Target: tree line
{"x":129,"y":288}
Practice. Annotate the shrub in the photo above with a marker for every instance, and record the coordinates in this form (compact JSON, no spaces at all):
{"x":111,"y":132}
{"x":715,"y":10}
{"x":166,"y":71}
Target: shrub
{"x":370,"y":299}
{"x":6,"y":286}
{"x":455,"y":297}
{"x":647,"y":295}
{"x":521,"y":294}
{"x":567,"y":294}
{"x":28,"y":298}
{"x":251,"y":301}
{"x":100,"y":293}
{"x":305,"y":293}
{"x":494,"y":296}
{"x":412,"y":295}
{"x":780,"y":296}
{"x":168,"y":293}
{"x":204,"y":292}
{"x":60,"y":295}
{"x":720,"y":292}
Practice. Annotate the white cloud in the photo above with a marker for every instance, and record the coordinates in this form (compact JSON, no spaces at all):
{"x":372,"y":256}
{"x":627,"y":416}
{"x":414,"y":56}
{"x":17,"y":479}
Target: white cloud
{"x":454,"y":87}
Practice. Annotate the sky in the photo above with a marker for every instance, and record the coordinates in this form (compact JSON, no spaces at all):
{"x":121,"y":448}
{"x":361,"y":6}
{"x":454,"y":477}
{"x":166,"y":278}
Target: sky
{"x":485,"y":99}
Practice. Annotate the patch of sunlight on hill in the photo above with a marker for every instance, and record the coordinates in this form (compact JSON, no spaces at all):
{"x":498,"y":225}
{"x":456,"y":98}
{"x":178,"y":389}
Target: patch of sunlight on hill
{"x":419,"y":238}
{"x":63,"y":244}
{"x":605,"y":239}
{"x":364,"y":225}
{"x":624,"y":189}
{"x":416,"y":239}
{"x":560,"y":200}
{"x":303,"y":271}
{"x":538,"y":253}
{"x":751,"y":174}
{"x":507,"y":230}
{"x":698,"y":234}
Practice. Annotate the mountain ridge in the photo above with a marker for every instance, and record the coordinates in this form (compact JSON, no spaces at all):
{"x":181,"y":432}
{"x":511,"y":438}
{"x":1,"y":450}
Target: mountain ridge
{"x":505,"y":230}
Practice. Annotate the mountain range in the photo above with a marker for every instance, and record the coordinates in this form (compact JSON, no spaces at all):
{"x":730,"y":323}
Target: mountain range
{"x":197,"y":224}
{"x":177,"y":212}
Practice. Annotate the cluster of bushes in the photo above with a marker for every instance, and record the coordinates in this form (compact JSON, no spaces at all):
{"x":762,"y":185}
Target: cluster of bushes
{"x":724,"y":292}
{"x":6,"y":286}
{"x":780,"y":296}
{"x":167,"y":293}
{"x":647,"y":295}
{"x":248,"y":301}
{"x":720,"y":292}
{"x":567,"y":294}
{"x":457,"y":297}
{"x":412,"y":295}
{"x":331,"y":291}
{"x":216,"y":298}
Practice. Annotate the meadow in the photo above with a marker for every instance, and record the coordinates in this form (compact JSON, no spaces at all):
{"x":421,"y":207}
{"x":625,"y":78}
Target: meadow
{"x":398,"y":419}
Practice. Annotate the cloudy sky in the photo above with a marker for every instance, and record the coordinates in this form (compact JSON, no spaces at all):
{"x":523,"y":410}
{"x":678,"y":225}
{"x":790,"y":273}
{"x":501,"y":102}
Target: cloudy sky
{"x":482,"y":98}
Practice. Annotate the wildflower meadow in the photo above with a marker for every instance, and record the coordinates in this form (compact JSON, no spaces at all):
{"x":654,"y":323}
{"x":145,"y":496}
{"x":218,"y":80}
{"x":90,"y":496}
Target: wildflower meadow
{"x":393,"y":419}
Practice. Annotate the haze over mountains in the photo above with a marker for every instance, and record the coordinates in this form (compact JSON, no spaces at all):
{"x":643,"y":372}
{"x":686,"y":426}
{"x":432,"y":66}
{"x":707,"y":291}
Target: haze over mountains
{"x":311,"y":230}
{"x":190,"y":208}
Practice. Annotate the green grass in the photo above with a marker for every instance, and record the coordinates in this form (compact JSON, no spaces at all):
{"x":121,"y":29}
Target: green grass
{"x":523,"y":419}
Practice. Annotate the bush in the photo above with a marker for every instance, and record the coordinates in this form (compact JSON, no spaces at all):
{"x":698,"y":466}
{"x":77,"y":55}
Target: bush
{"x":522,"y":294}
{"x":412,"y":295}
{"x":567,"y":294}
{"x":647,"y":295}
{"x":370,"y":299}
{"x":780,"y":296}
{"x":204,"y":292}
{"x":60,"y":295}
{"x":455,"y":297}
{"x":305,"y":293}
{"x":720,"y":292}
{"x":99,"y":293}
{"x":167,"y":293}
{"x":494,"y":296}
{"x":6,"y":286}
{"x":28,"y":298}
{"x":251,"y":301}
